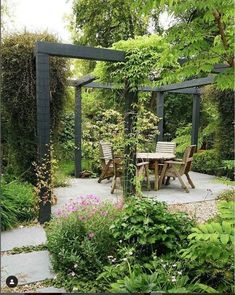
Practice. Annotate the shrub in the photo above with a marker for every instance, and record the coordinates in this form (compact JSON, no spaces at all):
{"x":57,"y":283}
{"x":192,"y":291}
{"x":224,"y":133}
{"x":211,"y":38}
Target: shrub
{"x":79,"y":240}
{"x":228,"y":195}
{"x":207,"y":162}
{"x":211,"y":250}
{"x":19,"y":100}
{"x":18,"y":204}
{"x":147,"y":227}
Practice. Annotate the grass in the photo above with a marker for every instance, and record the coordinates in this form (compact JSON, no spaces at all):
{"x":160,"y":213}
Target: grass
{"x":64,"y":172}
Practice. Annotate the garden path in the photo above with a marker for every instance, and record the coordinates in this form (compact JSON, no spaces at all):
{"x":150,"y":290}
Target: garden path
{"x":30,"y":267}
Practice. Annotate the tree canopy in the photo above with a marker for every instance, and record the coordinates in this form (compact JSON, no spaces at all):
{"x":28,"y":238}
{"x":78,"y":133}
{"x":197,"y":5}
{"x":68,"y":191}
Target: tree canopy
{"x":202,"y":33}
{"x":101,"y":23}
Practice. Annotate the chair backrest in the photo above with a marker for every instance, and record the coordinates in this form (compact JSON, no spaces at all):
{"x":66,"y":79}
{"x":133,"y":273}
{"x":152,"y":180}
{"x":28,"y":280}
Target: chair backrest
{"x":166,"y":147}
{"x":187,"y":159}
{"x":106,"y":151}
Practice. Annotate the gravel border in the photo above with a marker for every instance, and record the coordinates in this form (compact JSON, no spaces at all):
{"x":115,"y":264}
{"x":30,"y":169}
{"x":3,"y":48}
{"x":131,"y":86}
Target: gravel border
{"x":201,"y":211}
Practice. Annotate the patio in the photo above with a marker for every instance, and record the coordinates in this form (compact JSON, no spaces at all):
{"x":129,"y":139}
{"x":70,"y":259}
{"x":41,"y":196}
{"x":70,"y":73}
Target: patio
{"x":207,"y":188}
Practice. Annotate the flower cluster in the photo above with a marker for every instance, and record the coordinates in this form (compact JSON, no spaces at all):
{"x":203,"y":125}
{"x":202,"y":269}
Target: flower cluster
{"x":86,"y":206}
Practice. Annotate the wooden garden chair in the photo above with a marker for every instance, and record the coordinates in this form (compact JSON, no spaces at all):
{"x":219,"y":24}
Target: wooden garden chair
{"x":166,"y":147}
{"x":107,"y":160}
{"x":177,"y":168}
{"x":142,"y":170}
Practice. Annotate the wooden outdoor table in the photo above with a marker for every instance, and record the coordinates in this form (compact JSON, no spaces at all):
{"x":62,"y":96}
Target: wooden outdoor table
{"x":155,"y":157}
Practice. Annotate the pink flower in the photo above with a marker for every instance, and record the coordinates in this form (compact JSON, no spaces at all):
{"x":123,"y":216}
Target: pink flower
{"x":104,"y":213}
{"x":91,"y":235}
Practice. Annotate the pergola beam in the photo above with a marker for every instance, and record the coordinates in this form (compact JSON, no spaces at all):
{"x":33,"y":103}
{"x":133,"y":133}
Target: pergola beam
{"x":96,"y":85}
{"x":188,"y":84}
{"x":82,"y":81}
{"x":82,"y":52}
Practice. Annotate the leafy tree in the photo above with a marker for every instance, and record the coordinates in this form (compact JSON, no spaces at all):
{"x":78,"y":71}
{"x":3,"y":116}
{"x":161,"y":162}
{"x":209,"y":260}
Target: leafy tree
{"x":105,"y":22}
{"x":203,"y":33}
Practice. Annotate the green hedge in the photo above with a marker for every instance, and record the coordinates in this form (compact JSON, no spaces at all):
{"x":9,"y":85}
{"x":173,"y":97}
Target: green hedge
{"x":19,"y":100}
{"x":209,"y":162}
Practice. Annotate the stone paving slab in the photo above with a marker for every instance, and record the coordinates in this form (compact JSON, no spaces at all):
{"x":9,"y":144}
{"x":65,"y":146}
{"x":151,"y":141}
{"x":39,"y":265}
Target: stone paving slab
{"x":26,"y":236}
{"x":27,"y":267}
{"x":207,"y":188}
{"x":50,"y":290}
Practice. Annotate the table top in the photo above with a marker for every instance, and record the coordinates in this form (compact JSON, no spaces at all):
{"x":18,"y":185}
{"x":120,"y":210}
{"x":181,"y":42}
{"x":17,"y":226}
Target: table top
{"x":155,"y":156}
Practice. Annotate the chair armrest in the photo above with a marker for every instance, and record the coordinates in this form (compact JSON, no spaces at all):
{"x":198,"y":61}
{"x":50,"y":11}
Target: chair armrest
{"x":142,"y":164}
{"x":179,"y":160}
{"x":174,"y":162}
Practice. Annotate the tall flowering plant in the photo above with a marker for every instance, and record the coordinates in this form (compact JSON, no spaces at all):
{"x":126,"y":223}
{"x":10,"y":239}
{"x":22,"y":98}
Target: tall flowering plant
{"x":79,"y":238}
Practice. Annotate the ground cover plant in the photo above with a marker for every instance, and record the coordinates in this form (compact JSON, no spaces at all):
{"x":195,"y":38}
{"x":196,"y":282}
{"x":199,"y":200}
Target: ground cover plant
{"x":18,"y":204}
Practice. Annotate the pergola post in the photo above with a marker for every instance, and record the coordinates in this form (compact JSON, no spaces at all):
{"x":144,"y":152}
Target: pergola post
{"x":160,"y":113}
{"x":131,"y":99}
{"x":78,"y":131}
{"x":43,"y":132}
{"x":195,"y":119}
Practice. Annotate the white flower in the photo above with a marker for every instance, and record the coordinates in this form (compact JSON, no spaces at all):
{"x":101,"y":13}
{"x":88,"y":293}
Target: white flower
{"x":75,"y":265}
{"x":73,"y":274}
{"x":124,"y":259}
{"x":174,"y":265}
{"x":179,"y":272}
{"x":130,"y":253}
{"x":114,"y":259}
{"x":164,"y":265}
{"x":120,"y":241}
{"x":110,"y":257}
{"x":173,"y":279}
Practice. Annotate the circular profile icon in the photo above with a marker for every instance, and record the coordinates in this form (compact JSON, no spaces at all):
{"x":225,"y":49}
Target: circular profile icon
{"x":12,"y":281}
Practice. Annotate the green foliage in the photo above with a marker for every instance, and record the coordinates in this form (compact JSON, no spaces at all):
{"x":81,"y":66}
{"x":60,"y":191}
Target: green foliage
{"x":102,"y":23}
{"x":156,"y":282}
{"x":63,"y":172}
{"x":203,"y":33}
{"x":177,"y":113}
{"x":207,"y":162}
{"x":18,"y":204}
{"x":148,"y":228}
{"x":104,"y":124}
{"x":19,"y":100}
{"x":142,"y":55}
{"x":225,"y":143}
{"x":80,"y":241}
{"x":228,"y":195}
{"x":211,"y":248}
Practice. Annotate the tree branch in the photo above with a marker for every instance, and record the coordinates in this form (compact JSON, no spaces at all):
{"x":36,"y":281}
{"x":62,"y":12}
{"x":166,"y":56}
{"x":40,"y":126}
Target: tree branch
{"x":217,"y":16}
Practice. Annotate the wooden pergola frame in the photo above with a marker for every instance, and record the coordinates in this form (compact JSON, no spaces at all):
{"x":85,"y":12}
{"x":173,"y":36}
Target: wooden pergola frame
{"x":44,"y":50}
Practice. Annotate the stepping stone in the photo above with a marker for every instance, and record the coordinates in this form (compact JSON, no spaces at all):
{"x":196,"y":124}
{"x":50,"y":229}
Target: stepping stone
{"x":26,"y":236}
{"x":27,"y":267}
{"x":50,"y":290}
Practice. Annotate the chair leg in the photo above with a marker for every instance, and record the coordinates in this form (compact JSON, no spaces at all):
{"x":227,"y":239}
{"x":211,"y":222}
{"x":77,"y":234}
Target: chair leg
{"x":190,"y":180}
{"x":113,"y":184}
{"x":167,"y":180}
{"x":162,"y":176}
{"x":181,"y":180}
{"x":147,"y":177}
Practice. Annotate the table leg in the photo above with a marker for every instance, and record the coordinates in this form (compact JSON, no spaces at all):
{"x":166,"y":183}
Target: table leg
{"x":156,"y":175}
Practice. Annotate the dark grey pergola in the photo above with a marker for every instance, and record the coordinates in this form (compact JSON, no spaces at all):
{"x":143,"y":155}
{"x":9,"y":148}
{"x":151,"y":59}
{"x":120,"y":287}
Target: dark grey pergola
{"x":44,"y":50}
{"x":187,"y":87}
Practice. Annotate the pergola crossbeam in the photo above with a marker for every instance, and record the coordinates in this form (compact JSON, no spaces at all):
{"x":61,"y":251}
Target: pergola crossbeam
{"x":82,"y":52}
{"x":96,"y":85}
